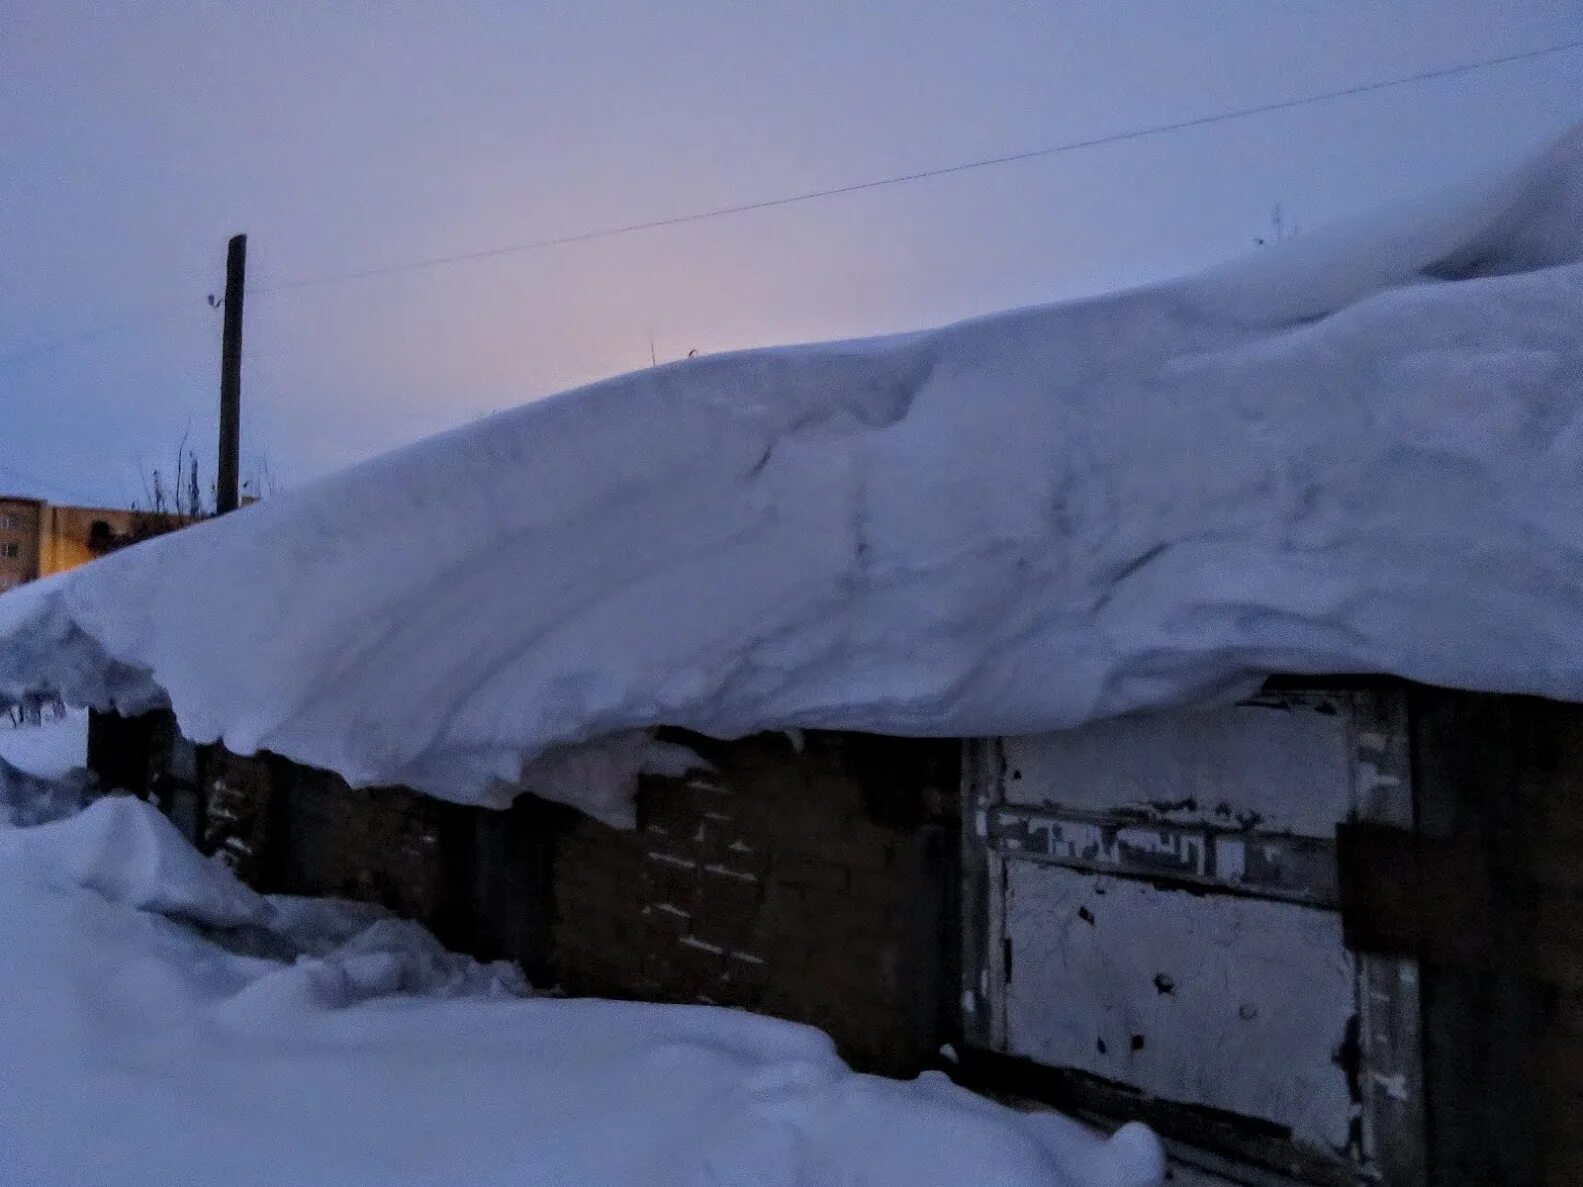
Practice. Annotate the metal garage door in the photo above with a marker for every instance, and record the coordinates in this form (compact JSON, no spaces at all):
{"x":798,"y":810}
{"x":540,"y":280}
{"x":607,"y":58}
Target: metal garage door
{"x":1153,"y":918}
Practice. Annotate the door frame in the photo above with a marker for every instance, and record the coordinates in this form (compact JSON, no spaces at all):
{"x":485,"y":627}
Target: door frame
{"x":1388,"y":1078}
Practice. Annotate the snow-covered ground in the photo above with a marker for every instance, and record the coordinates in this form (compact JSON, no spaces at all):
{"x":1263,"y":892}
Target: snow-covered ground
{"x":163,"y":1026}
{"x":1358,"y":451}
{"x":40,"y":766}
{"x":47,"y":748}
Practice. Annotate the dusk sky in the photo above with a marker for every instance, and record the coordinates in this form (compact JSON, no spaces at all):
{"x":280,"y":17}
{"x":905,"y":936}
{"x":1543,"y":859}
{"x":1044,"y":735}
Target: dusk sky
{"x":135,"y":138}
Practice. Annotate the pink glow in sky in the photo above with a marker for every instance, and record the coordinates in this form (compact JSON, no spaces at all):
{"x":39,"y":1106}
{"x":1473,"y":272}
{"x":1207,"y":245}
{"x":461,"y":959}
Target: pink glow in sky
{"x":135,"y":139}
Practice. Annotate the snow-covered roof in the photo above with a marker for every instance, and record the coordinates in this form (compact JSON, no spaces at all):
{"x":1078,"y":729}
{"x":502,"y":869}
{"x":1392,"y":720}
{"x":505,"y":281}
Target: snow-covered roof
{"x":1358,"y":451}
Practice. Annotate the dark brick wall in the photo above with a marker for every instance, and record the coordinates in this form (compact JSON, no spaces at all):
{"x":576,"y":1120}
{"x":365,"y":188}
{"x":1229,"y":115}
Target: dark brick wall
{"x":814,"y":882}
{"x":381,"y":845}
{"x":815,"y":886}
{"x":235,"y":809}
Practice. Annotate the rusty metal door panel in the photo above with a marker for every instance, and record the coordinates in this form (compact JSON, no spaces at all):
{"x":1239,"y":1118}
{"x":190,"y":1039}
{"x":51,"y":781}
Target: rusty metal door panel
{"x":1151,"y":913}
{"x":1279,"y":763}
{"x":1229,"y":1003}
{"x":1278,"y":866}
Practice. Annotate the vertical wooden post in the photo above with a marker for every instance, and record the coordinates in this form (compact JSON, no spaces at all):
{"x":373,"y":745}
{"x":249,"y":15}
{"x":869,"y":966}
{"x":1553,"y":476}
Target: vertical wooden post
{"x":226,"y":493}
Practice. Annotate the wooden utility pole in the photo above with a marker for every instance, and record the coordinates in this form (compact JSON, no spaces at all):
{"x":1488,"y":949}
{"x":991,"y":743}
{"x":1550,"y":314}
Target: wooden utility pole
{"x":226,"y":492}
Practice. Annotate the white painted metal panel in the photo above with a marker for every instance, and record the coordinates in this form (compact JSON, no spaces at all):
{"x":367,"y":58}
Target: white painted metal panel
{"x":1231,"y":1003}
{"x":1281,"y":764}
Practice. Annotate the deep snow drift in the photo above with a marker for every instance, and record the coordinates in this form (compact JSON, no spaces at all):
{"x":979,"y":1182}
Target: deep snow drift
{"x":51,"y":745}
{"x":163,"y":1026}
{"x":1360,"y":451}
{"x":40,"y":767}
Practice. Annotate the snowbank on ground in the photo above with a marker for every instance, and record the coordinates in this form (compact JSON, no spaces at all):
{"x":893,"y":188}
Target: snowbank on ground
{"x":48,"y":747}
{"x":1362,"y":452}
{"x":41,"y":760}
{"x":162,"y":1025}
{"x":25,"y":798}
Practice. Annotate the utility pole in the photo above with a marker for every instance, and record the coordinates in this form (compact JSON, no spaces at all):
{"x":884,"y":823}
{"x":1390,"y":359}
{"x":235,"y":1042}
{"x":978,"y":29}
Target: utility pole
{"x":226,"y":494}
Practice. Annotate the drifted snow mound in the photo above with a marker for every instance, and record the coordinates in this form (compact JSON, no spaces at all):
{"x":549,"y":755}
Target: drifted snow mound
{"x":333,"y":951}
{"x":26,"y":798}
{"x":47,"y":744}
{"x":125,"y":850}
{"x":1362,"y":452}
{"x":41,"y":757}
{"x":145,"y":1040}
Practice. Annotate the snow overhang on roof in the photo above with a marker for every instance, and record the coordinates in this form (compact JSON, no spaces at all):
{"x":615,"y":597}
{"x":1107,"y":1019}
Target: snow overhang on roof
{"x":1358,"y":451}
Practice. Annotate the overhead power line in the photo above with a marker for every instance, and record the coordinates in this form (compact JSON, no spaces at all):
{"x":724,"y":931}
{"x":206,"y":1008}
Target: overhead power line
{"x":26,"y":354}
{"x":919,"y":175}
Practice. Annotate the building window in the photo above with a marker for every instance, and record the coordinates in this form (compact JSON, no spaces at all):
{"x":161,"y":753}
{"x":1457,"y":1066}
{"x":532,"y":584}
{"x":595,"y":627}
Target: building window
{"x":10,"y":551}
{"x":9,"y":522}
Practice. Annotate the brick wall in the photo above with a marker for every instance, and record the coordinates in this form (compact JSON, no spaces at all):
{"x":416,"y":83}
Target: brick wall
{"x":813,"y":882}
{"x":285,"y":828}
{"x":234,"y":808}
{"x":382,"y":845}
{"x":479,"y":879}
{"x":814,"y":885}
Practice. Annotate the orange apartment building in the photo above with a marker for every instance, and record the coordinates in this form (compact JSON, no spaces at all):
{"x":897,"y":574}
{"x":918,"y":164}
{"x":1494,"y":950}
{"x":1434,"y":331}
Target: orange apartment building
{"x":39,"y":538}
